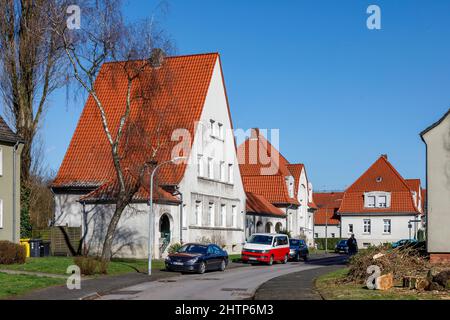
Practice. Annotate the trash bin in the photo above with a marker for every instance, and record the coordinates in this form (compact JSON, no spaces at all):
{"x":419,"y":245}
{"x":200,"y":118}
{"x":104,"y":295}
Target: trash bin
{"x":26,"y":244}
{"x":35,"y":248}
{"x":45,"y":249}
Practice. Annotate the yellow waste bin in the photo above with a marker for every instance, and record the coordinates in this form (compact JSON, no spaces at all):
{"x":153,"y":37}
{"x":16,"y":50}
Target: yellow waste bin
{"x":26,"y":244}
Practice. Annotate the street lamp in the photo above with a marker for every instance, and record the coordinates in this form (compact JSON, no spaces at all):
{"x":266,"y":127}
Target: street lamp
{"x":150,"y":220}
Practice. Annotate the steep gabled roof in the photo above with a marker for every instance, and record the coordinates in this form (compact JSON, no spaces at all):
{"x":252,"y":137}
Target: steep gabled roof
{"x":259,"y":205}
{"x":273,"y":188}
{"x":436,"y":123}
{"x":328,"y":204}
{"x":6,"y":134}
{"x":182,"y":84}
{"x":381,"y":176}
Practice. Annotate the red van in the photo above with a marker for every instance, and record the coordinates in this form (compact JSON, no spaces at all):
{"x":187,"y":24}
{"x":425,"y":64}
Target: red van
{"x":266,"y":248}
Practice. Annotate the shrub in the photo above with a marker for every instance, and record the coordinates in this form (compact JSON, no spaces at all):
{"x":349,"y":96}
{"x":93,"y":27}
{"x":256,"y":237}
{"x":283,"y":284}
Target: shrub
{"x":332,"y":242}
{"x":12,"y":253}
{"x":174,"y":247}
{"x":91,"y":265}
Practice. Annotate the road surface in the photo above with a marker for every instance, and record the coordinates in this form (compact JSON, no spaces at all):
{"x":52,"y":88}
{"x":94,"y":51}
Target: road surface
{"x":233,"y":284}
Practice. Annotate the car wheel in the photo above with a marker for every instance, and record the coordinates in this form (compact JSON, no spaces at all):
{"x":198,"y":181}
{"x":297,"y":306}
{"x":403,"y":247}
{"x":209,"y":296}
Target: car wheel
{"x":202,"y":268}
{"x":297,"y":257}
{"x":222,"y":265}
{"x":270,"y":261}
{"x":285,"y":260}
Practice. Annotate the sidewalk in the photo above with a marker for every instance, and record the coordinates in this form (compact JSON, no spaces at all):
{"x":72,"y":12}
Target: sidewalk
{"x":300,"y":285}
{"x":92,"y":287}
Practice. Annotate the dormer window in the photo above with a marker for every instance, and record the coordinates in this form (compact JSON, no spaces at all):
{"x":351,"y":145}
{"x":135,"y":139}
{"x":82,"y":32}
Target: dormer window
{"x":377,"y":199}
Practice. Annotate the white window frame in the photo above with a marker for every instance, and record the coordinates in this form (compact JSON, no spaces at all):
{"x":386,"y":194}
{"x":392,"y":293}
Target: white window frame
{"x":211,"y":214}
{"x":1,"y":214}
{"x":367,"y":223}
{"x":200,"y":170}
{"x":220,"y":129}
{"x":382,"y":204}
{"x":387,"y":223}
{"x":223,"y":215}
{"x":234,"y":216}
{"x":198,"y":213}
{"x":212,"y":127}
{"x":230,"y":173}
{"x":184,"y":218}
{"x":371,"y":201}
{"x":377,"y":195}
{"x":350,"y":228}
{"x":222,"y":171}
{"x":210,"y":168}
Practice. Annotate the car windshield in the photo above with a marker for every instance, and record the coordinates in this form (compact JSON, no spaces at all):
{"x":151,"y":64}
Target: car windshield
{"x":294,"y":242}
{"x":343,"y":242}
{"x":260,"y":239}
{"x":193,"y":248}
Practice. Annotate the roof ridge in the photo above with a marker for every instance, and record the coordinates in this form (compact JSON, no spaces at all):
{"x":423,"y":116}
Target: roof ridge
{"x":167,"y":57}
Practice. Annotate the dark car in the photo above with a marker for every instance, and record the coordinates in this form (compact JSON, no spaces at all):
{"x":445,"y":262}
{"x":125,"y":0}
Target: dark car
{"x":404,"y":243}
{"x":341,"y":246}
{"x":195,"y":257}
{"x":298,"y":250}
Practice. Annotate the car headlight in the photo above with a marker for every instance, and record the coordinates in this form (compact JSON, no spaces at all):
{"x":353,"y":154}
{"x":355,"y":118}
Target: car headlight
{"x":291,"y":251}
{"x":192,"y":261}
{"x":264,"y":251}
{"x":168,"y":259}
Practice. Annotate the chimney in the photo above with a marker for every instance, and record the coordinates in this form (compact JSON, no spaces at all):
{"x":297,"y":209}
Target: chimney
{"x":385,"y":156}
{"x":157,"y":57}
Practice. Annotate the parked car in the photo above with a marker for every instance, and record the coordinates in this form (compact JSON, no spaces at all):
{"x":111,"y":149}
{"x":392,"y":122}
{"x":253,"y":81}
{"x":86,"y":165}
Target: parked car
{"x":266,"y":248}
{"x":341,"y":246}
{"x":404,"y":242}
{"x":298,"y":250}
{"x":195,"y":257}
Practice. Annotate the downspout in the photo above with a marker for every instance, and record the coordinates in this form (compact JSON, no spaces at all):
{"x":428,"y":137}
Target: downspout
{"x":177,"y":191}
{"x":14,"y":194}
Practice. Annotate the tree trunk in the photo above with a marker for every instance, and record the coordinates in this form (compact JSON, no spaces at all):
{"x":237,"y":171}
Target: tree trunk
{"x":109,"y":237}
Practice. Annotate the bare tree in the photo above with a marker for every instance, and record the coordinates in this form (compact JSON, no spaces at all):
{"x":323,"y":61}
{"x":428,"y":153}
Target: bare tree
{"x":30,"y":67}
{"x":136,"y":49}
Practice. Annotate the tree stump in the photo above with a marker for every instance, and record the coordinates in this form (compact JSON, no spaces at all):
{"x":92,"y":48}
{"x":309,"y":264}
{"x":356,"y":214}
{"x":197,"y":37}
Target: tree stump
{"x":384,"y":282}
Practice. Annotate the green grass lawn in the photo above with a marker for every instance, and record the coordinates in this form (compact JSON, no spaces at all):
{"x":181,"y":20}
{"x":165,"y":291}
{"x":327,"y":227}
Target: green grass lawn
{"x":331,"y":290}
{"x":58,"y":265}
{"x":234,"y":257}
{"x":13,"y":285}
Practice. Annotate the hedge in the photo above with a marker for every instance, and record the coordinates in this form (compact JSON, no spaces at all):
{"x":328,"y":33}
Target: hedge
{"x":331,"y":243}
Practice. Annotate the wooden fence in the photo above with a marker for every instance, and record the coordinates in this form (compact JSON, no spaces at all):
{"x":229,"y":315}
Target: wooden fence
{"x":64,"y":241}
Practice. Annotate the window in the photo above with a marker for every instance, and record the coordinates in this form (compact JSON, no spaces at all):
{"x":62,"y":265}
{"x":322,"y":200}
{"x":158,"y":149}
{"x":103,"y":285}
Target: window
{"x":211,"y":214}
{"x":371,"y":201}
{"x":200,"y":165}
{"x":212,"y":128}
{"x":222,"y":171}
{"x":198,"y":213}
{"x":381,"y":202}
{"x":367,"y":228}
{"x":210,"y":168}
{"x":234,"y":216}
{"x":1,"y":162}
{"x":350,"y":228}
{"x":230,"y":173}
{"x":387,"y":225}
{"x":1,"y":214}
{"x":223,"y":215}
{"x":316,"y":235}
{"x":333,"y":235}
{"x":221,"y":135}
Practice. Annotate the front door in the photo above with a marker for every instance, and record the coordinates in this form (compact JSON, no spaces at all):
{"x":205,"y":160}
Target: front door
{"x":164,"y":229}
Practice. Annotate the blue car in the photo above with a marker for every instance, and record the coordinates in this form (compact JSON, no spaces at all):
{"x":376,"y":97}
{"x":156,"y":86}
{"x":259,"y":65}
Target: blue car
{"x":196,"y":257}
{"x":298,"y":250}
{"x":404,"y":242}
{"x":341,"y":246}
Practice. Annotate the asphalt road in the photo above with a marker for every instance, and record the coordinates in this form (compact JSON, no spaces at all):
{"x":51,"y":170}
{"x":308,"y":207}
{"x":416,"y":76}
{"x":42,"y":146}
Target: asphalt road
{"x":233,"y":284}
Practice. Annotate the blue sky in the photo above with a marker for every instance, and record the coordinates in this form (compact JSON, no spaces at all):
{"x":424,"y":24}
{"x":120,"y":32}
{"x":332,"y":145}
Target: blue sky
{"x":340,"y":94}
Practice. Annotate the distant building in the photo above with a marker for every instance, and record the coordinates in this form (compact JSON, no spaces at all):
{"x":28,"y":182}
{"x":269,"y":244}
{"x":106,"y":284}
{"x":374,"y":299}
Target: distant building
{"x":327,"y":222}
{"x":10,"y":150}
{"x":437,"y":140}
{"x":279,"y":194}
{"x":381,"y":206}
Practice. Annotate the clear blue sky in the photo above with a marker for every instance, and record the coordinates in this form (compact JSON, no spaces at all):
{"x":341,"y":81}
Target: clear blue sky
{"x":340,"y":94}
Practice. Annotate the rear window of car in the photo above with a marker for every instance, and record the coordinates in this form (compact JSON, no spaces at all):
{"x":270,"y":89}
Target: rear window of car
{"x":260,"y":239}
{"x":193,"y":248}
{"x":294,"y":242}
{"x":343,"y":242}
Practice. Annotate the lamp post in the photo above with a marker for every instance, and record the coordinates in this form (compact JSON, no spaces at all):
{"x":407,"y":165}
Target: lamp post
{"x":150,"y":218}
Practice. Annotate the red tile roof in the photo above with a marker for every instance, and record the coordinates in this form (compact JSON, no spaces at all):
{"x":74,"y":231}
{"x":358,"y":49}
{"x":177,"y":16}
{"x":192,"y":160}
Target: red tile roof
{"x":259,"y":205}
{"x":381,"y":176}
{"x":328,"y":204}
{"x":182,"y":83}
{"x":273,"y":188}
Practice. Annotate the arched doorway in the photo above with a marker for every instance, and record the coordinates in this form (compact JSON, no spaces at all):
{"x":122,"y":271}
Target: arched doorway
{"x":268,"y":227}
{"x":259,"y":227}
{"x":278,"y":227}
{"x":164,"y":228}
